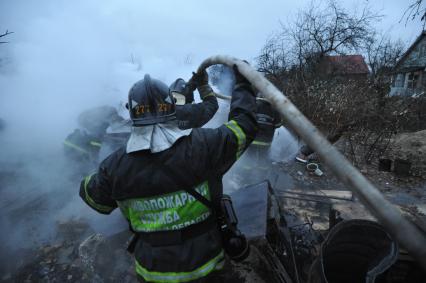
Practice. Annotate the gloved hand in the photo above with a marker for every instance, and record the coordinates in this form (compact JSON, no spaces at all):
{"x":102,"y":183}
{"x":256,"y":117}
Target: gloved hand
{"x":188,"y":92}
{"x":201,"y":82}
{"x":199,"y":79}
{"x":190,"y":87}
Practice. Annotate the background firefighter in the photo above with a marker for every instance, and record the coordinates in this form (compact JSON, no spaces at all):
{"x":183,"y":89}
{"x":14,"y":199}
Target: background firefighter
{"x":268,"y":121}
{"x":256,"y":162}
{"x":148,"y":179}
{"x":82,"y":146}
{"x":189,"y":114}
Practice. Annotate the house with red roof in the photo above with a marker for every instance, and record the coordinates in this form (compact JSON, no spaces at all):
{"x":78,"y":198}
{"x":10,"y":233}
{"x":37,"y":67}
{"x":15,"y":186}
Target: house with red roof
{"x":345,"y":66}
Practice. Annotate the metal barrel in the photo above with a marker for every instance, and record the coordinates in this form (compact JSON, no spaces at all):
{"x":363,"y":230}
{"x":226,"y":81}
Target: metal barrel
{"x":354,"y":251}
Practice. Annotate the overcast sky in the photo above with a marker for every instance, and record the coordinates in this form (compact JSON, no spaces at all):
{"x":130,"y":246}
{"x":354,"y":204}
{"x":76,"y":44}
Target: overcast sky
{"x":69,"y":55}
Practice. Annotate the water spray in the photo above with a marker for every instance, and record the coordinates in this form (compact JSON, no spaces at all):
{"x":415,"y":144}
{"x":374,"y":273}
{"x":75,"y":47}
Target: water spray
{"x":408,"y":235}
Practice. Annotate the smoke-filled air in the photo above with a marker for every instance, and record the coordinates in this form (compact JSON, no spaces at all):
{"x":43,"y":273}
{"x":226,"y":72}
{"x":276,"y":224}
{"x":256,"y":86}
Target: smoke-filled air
{"x":67,"y":57}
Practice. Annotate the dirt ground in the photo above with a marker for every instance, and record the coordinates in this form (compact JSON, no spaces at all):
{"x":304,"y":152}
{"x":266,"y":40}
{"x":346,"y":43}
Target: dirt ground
{"x":407,"y":193}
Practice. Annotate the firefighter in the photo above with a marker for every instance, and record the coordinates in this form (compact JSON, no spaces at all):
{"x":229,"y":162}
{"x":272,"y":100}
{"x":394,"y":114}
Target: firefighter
{"x":268,"y":121}
{"x":149,"y":180}
{"x":195,"y":115}
{"x":82,"y":146}
{"x":255,"y":165}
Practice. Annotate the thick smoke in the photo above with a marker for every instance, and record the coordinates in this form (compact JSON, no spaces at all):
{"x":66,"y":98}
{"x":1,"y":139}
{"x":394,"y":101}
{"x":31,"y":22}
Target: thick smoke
{"x":65,"y":57}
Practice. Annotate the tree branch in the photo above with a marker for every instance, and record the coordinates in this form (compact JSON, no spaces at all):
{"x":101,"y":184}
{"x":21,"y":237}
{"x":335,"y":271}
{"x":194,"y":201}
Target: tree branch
{"x":4,"y":34}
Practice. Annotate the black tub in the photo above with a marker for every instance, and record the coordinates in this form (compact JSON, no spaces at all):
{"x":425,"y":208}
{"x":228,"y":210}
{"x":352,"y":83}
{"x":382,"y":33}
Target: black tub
{"x":354,"y":251}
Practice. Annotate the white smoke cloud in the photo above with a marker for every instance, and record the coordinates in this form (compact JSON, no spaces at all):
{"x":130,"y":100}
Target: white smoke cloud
{"x":65,"y":57}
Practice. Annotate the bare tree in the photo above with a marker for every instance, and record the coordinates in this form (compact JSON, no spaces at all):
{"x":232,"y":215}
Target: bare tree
{"x":382,"y":53}
{"x":5,"y":34}
{"x":330,"y":30}
{"x":272,"y":59}
{"x":414,"y":10}
{"x":317,"y":31}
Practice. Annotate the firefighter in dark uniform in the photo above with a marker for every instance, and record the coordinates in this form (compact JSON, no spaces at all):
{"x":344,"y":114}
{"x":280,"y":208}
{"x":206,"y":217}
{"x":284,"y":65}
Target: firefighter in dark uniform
{"x":268,"y":121}
{"x":189,"y":114}
{"x":82,"y":149}
{"x":82,"y":146}
{"x":255,"y":165}
{"x":149,"y":180}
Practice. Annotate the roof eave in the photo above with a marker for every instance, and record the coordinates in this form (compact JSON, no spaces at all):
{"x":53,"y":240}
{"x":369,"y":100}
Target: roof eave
{"x":410,"y":49}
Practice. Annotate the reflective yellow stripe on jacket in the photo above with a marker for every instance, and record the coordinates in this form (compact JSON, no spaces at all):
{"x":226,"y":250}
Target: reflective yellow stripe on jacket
{"x":95,"y":143}
{"x":261,"y":143}
{"x":79,"y":148}
{"x":176,"y":277}
{"x":240,"y":135}
{"x":76,"y":147}
{"x":90,"y":201}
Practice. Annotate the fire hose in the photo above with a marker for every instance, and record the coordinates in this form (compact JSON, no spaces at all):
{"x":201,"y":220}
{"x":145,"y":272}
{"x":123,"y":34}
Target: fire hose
{"x":406,"y":233}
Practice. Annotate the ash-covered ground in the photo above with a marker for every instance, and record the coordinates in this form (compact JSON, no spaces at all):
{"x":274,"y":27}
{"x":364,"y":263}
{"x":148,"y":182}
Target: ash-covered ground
{"x":42,"y":217}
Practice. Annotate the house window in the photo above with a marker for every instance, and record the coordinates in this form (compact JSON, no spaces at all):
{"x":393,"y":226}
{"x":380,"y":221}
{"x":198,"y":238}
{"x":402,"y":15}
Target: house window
{"x":412,"y":80}
{"x":399,"y":80}
{"x":424,"y":79}
{"x":422,"y":52}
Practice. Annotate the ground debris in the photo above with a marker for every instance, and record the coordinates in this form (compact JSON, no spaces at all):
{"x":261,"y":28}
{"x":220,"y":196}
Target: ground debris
{"x":412,"y":148}
{"x":72,"y":259}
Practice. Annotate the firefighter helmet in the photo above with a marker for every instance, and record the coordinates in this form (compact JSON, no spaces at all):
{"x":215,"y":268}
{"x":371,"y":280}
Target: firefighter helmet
{"x":177,"y":88}
{"x":150,"y":102}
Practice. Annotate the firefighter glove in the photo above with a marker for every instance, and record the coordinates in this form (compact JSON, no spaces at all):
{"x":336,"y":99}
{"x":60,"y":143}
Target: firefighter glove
{"x":199,"y":79}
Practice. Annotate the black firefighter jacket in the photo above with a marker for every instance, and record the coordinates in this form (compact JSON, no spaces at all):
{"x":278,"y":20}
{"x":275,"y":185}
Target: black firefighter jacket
{"x":268,"y":120}
{"x":149,"y":188}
